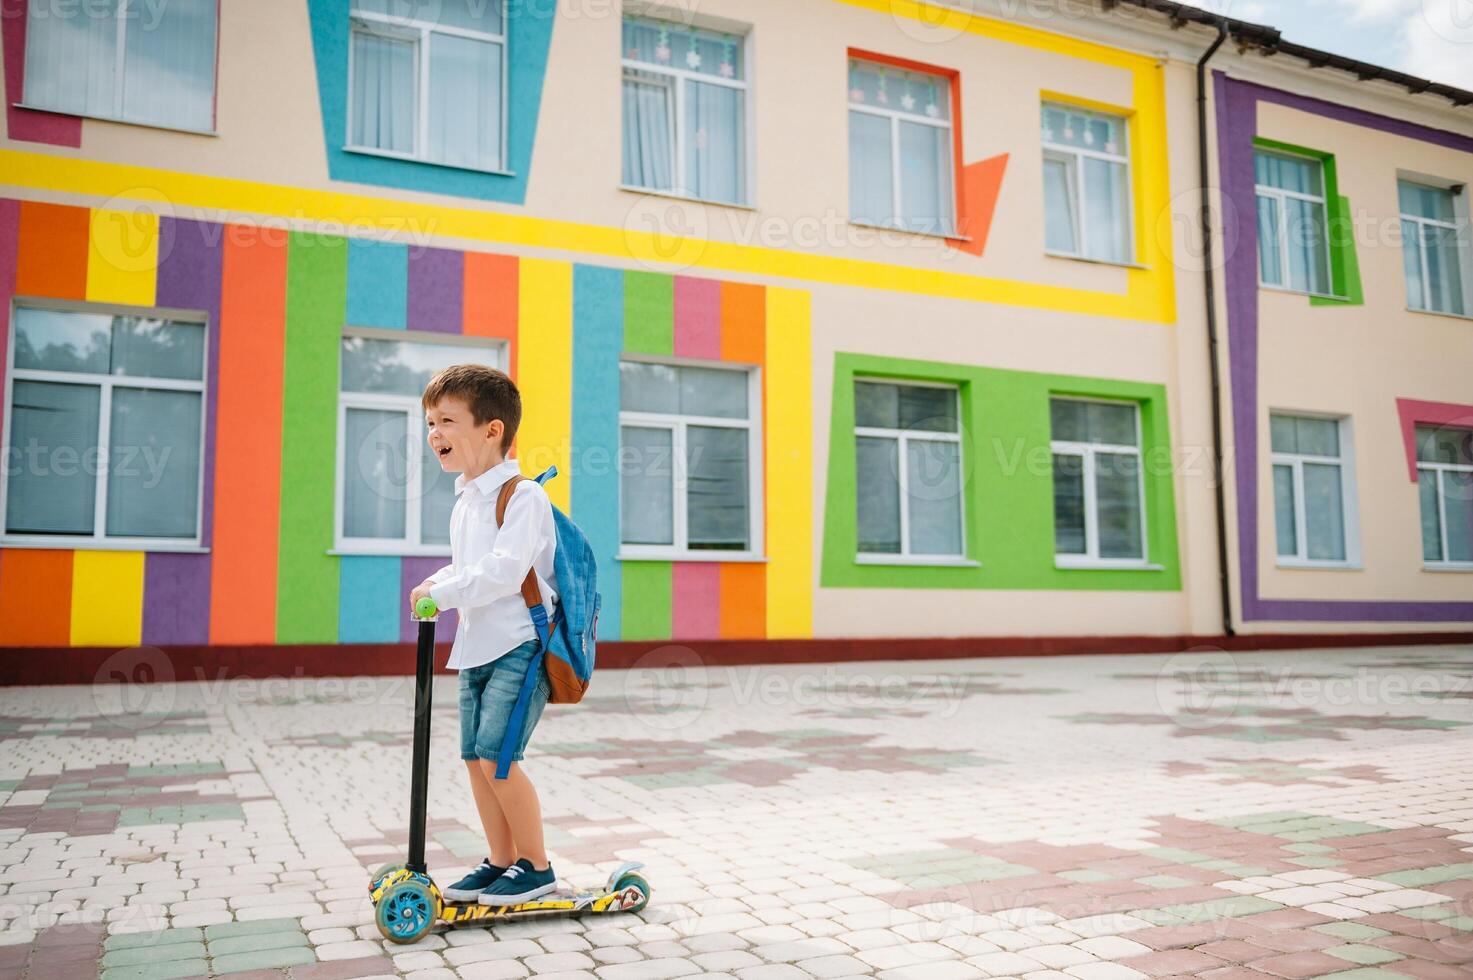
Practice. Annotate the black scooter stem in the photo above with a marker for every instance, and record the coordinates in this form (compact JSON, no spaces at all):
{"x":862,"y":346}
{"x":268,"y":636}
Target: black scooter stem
{"x":420,"y":777}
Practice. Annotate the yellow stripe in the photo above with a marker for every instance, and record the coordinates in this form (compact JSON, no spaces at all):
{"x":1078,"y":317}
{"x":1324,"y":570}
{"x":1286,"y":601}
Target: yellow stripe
{"x":789,"y":465}
{"x":122,"y":257}
{"x":544,"y":373}
{"x":107,"y":598}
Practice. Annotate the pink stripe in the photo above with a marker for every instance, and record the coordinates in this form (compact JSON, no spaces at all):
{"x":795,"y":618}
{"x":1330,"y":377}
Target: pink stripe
{"x":1413,"y":413}
{"x":695,"y":600}
{"x":697,"y":318}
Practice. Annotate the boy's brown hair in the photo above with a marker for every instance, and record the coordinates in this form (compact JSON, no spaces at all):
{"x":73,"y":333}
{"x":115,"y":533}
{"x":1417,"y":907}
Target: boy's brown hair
{"x":489,"y":393}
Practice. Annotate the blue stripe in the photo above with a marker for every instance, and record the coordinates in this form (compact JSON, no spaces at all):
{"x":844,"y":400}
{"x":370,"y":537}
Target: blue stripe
{"x":598,"y":338}
{"x":378,"y":283}
{"x":370,"y":603}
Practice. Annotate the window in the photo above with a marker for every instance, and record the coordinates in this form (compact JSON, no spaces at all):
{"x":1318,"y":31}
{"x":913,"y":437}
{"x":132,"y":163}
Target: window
{"x":427,"y":81}
{"x":149,"y":63}
{"x":106,"y":430}
{"x":688,"y":484}
{"x":388,"y":502}
{"x":901,"y":149}
{"x":1293,"y":253}
{"x":1445,"y":482}
{"x":1311,"y":489}
{"x":908,"y":454}
{"x":1086,"y":184}
{"x":1099,"y":503}
{"x":1431,"y":249}
{"x":685,"y":105}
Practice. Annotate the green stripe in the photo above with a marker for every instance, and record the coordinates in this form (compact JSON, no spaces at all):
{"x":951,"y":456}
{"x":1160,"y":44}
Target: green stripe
{"x":307,"y":576}
{"x":646,"y":606}
{"x":649,"y":313}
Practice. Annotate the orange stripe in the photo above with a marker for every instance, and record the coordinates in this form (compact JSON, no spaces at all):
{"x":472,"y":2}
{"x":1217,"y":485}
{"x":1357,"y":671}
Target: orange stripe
{"x":53,"y":251}
{"x":743,"y":323}
{"x":491,"y":302}
{"x":35,"y":597}
{"x":248,"y":442}
{"x":743,"y":600}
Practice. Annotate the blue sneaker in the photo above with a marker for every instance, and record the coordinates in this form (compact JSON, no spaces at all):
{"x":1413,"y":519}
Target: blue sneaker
{"x":521,"y":883}
{"x":469,"y":888}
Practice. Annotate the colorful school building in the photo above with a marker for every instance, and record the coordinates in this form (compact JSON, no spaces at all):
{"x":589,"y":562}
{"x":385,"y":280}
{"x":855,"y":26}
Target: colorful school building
{"x":854,"y":328}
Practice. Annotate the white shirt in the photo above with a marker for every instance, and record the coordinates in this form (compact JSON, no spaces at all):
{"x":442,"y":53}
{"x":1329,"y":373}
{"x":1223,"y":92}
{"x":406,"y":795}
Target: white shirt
{"x":487,"y":565}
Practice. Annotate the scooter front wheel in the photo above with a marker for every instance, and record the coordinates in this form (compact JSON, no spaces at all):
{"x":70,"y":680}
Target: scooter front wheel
{"x":636,"y":892}
{"x":406,"y":912}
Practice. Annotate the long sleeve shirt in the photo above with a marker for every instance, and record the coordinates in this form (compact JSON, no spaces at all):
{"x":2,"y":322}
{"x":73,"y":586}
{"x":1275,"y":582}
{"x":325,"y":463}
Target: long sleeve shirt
{"x":488,"y":564}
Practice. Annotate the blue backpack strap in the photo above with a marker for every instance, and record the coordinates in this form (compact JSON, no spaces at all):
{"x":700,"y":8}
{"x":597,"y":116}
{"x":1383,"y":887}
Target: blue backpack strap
{"x":513,"y":733}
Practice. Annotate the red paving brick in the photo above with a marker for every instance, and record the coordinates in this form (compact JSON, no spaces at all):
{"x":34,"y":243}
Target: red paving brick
{"x":363,"y":966}
{"x":1234,"y":951}
{"x":1420,"y":948}
{"x":1296,"y":940}
{"x":1427,"y":970}
{"x":1301,"y":965}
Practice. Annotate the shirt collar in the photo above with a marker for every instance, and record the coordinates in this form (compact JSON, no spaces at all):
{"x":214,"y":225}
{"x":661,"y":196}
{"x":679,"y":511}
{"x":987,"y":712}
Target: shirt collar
{"x":490,"y":481}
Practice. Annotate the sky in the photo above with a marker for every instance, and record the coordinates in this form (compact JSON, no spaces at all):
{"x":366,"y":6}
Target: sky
{"x":1429,"y":38}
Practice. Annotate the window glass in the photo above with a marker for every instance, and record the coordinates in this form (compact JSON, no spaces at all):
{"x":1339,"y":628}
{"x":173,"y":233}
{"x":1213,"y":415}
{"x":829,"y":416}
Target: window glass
{"x":878,"y":465}
{"x":154,"y":466}
{"x":373,"y":481}
{"x":53,"y":430}
{"x":646,"y":489}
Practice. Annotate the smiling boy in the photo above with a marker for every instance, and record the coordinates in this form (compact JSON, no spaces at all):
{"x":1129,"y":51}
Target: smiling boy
{"x":472,"y":413}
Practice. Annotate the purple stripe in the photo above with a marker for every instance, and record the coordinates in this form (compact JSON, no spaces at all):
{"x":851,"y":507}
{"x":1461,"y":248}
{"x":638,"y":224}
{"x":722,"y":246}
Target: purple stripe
{"x":414,"y":571}
{"x":1359,"y":117}
{"x":176,"y":587}
{"x":436,"y":289}
{"x":1237,"y":125}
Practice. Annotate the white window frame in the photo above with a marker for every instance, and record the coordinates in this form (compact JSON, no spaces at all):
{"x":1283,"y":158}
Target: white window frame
{"x":1280,"y":196}
{"x":904,"y":437}
{"x":1443,"y":564}
{"x":100,"y":540}
{"x":1062,"y":153}
{"x":895,"y":118}
{"x":1454,"y":226}
{"x":1349,"y":511}
{"x":677,"y":79}
{"x":679,"y":549}
{"x":1087,"y":451}
{"x":120,"y":75}
{"x":420,"y":31}
{"x":412,"y":544}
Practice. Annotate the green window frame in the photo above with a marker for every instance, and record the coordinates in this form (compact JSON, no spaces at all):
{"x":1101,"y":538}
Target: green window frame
{"x":1007,"y":480}
{"x":1345,"y":281}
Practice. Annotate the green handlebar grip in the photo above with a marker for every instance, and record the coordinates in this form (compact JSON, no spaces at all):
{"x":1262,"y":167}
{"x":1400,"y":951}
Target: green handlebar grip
{"x":425,"y":608}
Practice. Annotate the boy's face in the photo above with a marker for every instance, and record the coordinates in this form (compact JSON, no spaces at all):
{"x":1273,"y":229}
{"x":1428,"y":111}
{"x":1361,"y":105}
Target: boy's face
{"x":461,"y":445}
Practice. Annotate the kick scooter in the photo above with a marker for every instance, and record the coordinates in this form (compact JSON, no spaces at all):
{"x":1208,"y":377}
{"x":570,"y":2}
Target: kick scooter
{"x":406,"y":900}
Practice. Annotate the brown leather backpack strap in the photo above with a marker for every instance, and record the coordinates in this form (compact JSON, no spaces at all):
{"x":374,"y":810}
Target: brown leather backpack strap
{"x":531,"y":592}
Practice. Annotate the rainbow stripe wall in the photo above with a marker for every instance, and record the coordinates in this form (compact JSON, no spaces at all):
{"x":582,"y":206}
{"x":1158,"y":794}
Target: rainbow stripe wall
{"x":276,"y":302}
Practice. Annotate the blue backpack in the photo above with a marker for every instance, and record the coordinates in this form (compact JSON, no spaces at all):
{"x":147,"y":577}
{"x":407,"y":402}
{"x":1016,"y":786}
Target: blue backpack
{"x":566,"y":640}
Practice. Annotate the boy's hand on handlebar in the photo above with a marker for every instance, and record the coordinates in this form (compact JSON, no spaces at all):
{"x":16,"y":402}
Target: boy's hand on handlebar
{"x":420,"y":591}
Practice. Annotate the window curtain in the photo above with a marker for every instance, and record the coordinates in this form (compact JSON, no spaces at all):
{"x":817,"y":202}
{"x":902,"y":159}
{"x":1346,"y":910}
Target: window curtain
{"x":714,"y":151}
{"x":153,"y":474}
{"x":1444,"y":269}
{"x":1286,"y":526}
{"x":50,"y":424}
{"x":646,"y":486}
{"x":465,"y":102}
{"x":373,"y":477}
{"x":716,"y":488}
{"x":648,"y":152}
{"x":878,"y":465}
{"x":871,"y":176}
{"x":384,"y":92}
{"x":1105,"y":197}
{"x":933,"y":482}
{"x":169,"y":63}
{"x":925,"y":182}
{"x":71,"y":57}
{"x":1058,"y":198}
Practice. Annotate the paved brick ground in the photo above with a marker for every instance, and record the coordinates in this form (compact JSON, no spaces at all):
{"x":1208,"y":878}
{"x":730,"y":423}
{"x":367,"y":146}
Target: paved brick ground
{"x":1301,"y":814}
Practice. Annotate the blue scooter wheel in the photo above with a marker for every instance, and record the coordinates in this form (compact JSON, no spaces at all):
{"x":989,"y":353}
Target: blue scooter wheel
{"x":639,"y":884}
{"x":406,"y":912}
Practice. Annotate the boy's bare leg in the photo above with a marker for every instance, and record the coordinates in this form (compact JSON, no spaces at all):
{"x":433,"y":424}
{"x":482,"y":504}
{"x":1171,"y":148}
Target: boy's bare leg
{"x":493,"y":820}
{"x":522,"y":810}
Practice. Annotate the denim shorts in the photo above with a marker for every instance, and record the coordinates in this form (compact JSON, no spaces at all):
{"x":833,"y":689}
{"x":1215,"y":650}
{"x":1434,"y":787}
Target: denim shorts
{"x":487,"y":696}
